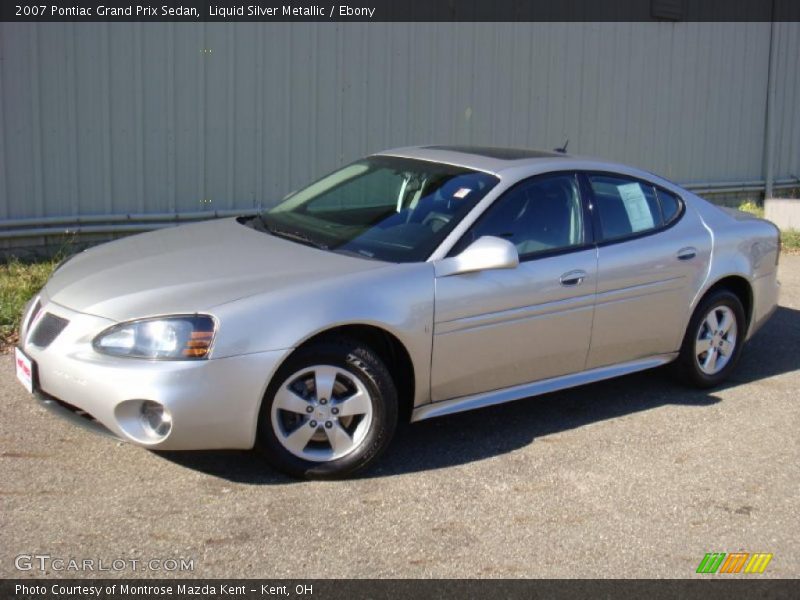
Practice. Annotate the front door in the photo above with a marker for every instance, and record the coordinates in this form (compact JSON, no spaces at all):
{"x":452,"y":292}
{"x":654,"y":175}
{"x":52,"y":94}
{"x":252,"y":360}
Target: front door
{"x":500,"y":328}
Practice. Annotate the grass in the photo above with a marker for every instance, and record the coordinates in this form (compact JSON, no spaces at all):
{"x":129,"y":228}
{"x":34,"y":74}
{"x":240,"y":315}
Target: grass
{"x":18,"y":283}
{"x":751,"y":207}
{"x":790,"y":241}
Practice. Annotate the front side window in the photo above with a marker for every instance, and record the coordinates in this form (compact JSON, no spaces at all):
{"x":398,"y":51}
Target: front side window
{"x":541,"y":215}
{"x":386,"y":208}
{"x":624,"y":206}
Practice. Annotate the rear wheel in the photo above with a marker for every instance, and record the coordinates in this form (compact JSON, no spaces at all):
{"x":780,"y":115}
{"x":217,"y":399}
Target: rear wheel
{"x":329,"y":412}
{"x":713,"y":341}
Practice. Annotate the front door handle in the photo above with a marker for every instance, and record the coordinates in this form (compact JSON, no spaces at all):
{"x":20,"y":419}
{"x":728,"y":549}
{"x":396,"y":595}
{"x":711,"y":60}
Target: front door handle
{"x":573,"y":278}
{"x":687,"y":253}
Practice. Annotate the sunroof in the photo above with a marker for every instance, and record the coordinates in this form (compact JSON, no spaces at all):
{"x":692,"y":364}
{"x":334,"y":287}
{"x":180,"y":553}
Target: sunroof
{"x":499,"y":153}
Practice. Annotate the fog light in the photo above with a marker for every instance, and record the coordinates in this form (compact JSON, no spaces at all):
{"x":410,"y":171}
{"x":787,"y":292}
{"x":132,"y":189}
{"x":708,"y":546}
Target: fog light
{"x":155,"y":419}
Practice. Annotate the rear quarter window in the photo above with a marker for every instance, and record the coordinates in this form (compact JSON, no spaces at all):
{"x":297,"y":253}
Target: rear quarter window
{"x":670,"y":205}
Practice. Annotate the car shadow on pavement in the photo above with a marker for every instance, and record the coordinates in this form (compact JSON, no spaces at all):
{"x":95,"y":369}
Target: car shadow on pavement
{"x":493,"y":431}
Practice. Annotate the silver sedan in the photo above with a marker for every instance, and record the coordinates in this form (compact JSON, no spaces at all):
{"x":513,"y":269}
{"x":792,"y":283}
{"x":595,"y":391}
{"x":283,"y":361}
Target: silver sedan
{"x":411,"y":284}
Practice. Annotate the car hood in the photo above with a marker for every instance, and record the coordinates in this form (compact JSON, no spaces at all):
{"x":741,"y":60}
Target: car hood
{"x":188,"y":269}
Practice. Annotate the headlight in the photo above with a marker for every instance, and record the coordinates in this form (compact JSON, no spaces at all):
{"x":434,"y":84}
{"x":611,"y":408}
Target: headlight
{"x":171,"y":338}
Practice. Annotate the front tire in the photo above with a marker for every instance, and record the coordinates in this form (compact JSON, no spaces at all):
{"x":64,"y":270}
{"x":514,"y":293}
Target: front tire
{"x":329,"y":412}
{"x":713,"y":341}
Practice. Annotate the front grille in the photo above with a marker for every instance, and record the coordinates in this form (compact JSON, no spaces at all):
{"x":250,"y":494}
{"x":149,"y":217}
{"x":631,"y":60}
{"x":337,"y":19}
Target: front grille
{"x":47,"y":330}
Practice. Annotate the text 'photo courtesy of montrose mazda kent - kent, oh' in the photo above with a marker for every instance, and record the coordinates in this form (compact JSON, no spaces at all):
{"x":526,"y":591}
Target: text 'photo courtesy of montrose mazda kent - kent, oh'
{"x":414,"y":283}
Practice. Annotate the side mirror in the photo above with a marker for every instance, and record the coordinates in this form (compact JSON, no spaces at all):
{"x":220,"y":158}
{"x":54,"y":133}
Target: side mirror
{"x":487,"y":252}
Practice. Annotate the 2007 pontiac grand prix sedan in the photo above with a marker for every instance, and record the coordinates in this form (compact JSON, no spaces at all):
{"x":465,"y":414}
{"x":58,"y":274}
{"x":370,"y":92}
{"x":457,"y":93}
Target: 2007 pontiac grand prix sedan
{"x":411,"y":284}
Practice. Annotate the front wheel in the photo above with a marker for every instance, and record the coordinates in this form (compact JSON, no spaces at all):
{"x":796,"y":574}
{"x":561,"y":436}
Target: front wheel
{"x":713,"y":341}
{"x":329,"y":412}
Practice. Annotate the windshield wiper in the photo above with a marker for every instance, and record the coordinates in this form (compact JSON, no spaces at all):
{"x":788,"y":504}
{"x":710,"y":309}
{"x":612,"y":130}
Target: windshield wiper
{"x":295,"y":236}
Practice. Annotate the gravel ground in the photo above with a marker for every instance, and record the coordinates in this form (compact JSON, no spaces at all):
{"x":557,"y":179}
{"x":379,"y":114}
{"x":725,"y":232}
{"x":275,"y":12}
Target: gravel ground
{"x":637,"y":477}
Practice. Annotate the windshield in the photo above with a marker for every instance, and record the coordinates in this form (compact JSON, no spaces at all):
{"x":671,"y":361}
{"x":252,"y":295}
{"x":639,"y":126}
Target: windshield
{"x":385,"y":208}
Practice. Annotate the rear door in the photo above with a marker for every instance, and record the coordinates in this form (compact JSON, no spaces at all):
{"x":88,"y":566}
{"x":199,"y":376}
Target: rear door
{"x":652,"y":257}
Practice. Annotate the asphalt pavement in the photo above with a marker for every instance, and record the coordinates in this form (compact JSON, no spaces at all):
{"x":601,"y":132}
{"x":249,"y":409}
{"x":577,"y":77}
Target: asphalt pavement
{"x":635,"y":477}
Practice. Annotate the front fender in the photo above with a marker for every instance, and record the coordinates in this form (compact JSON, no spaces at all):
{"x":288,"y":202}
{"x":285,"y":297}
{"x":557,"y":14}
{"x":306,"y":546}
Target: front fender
{"x":397,"y":298}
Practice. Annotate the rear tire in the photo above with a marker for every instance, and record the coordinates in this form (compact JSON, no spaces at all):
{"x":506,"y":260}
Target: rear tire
{"x":713,"y":341}
{"x":329,"y":412}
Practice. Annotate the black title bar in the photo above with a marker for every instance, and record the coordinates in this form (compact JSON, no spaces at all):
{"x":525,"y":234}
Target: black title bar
{"x":397,"y":10}
{"x":385,"y":589}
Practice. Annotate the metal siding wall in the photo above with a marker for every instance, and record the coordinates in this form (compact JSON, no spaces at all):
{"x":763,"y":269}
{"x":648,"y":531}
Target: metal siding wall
{"x":787,"y":101}
{"x":128,"y":118}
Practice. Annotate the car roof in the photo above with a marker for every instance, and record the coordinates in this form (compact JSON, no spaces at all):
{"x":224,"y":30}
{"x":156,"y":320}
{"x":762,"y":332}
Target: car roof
{"x":480,"y":158}
{"x":515,"y":161}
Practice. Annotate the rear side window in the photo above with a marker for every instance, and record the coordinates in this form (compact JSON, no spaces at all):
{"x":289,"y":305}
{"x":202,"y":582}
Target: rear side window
{"x":670,"y":205}
{"x":624,"y":206}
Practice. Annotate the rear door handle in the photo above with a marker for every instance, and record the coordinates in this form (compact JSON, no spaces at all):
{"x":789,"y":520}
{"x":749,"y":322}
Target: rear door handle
{"x":573,"y":278}
{"x":687,"y":253}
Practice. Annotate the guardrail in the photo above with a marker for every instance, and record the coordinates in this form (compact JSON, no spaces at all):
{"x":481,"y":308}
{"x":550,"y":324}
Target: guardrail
{"x":127,"y":223}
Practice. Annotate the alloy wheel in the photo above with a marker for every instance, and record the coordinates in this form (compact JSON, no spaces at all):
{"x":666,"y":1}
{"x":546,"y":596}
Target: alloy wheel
{"x":321,"y":413}
{"x":716,"y":340}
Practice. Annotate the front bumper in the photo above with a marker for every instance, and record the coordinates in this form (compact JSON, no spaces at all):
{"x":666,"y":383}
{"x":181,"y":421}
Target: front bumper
{"x":213,"y":403}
